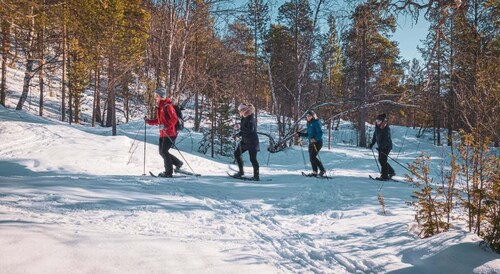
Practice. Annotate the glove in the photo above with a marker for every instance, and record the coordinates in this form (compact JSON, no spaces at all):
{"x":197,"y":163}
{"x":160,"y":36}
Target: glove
{"x":371,"y":146}
{"x":313,"y":140}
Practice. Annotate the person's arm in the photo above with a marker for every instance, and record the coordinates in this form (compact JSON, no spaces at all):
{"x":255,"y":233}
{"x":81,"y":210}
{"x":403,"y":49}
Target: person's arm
{"x":153,"y":122}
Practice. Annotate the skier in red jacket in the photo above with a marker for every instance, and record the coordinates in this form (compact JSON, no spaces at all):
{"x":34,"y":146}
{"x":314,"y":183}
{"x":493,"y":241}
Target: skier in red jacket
{"x":166,"y":118}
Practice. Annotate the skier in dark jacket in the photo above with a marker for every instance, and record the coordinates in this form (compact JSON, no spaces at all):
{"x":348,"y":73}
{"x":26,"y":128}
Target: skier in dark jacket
{"x":315,"y":136}
{"x":249,"y":140}
{"x":166,"y":118}
{"x":382,"y":136}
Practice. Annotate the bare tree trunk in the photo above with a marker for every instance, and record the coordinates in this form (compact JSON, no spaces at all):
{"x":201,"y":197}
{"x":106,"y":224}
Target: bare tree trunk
{"x":41,"y":74}
{"x":281,"y":124}
{"x":171,"y":39}
{"x":70,"y":93}
{"x":64,"y":65}
{"x":97,"y":94}
{"x":437,"y":115}
{"x":451,"y":100}
{"x":362,"y":92}
{"x":182,"y":57}
{"x":111,"y":115}
{"x":5,"y":54}
{"x":126,"y":99}
{"x":96,"y":90}
{"x":197,"y":116}
{"x":212,"y":130}
{"x":16,"y":47}
{"x":28,"y":74}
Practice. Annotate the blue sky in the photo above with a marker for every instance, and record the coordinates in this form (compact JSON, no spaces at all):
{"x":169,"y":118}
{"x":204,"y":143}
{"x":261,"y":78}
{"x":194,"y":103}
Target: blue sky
{"x":408,"y":34}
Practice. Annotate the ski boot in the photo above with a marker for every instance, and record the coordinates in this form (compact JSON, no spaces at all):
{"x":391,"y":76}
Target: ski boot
{"x":164,"y":175}
{"x":238,"y":174}
{"x":256,"y":176}
{"x":178,"y":167}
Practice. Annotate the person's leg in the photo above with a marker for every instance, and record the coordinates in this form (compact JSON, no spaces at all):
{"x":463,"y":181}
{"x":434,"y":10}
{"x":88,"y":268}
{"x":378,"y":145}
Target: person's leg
{"x":168,"y":157}
{"x":382,"y":158}
{"x":390,"y":170}
{"x":318,"y":146}
{"x":175,"y":161}
{"x":163,"y":149}
{"x":255,"y":164}
{"x":313,"y":157}
{"x":237,"y":155}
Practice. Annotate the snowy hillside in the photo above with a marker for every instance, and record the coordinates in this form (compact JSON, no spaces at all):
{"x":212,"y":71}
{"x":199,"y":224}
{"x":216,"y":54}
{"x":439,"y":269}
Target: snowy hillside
{"x":73,"y":200}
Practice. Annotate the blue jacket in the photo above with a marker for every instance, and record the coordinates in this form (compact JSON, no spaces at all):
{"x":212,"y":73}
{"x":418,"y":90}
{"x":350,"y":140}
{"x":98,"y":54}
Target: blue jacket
{"x":313,"y":131}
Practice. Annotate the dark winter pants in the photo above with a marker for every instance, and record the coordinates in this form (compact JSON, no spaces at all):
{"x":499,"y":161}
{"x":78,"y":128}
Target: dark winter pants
{"x":314,"y":149}
{"x":253,"y":158}
{"x":386,"y":167}
{"x":168,"y":159}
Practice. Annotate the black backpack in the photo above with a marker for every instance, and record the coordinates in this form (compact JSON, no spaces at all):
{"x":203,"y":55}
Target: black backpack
{"x":180,"y":120}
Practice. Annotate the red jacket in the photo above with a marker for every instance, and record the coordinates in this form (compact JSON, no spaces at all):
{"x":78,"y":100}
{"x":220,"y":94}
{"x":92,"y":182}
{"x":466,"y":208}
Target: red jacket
{"x":168,"y":125}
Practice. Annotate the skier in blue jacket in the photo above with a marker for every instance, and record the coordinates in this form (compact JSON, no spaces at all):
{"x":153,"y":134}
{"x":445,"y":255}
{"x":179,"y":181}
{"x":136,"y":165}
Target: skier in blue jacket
{"x":315,"y":136}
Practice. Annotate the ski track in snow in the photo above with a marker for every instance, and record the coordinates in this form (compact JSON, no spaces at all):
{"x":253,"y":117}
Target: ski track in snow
{"x":59,"y":176}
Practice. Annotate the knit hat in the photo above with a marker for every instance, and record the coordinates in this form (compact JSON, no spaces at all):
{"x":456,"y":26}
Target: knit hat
{"x":246,"y":109}
{"x":311,"y":112}
{"x":242,"y":107}
{"x":161,"y":91}
{"x":382,"y":117}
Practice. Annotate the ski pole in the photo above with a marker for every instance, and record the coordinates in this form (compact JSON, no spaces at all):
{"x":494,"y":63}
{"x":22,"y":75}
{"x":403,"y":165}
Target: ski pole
{"x":396,"y":161}
{"x":404,"y":139}
{"x":144,"y":166}
{"x":135,"y":138}
{"x":133,"y":146}
{"x":376,"y":160}
{"x":175,"y":146}
{"x":381,"y":185}
{"x":303,"y":157}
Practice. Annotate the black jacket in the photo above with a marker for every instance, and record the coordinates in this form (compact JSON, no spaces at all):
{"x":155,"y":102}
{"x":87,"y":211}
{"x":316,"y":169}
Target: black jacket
{"x":248,"y":132}
{"x":383,"y":138}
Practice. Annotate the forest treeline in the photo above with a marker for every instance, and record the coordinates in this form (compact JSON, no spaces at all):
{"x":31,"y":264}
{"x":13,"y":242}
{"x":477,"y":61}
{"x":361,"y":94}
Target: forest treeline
{"x":284,"y":63}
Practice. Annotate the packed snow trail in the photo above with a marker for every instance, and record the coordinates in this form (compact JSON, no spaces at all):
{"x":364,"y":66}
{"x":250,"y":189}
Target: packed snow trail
{"x":74,"y":201}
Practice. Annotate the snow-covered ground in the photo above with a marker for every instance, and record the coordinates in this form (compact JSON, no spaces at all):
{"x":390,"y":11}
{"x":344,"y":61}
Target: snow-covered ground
{"x":73,"y":200}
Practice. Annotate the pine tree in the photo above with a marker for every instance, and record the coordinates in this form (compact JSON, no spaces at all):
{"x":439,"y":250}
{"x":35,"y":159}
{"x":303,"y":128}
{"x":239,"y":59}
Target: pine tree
{"x":257,"y":18}
{"x":372,"y":60}
{"x":428,"y":199}
{"x":332,"y":59}
{"x":281,"y":77}
{"x":479,"y":170}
